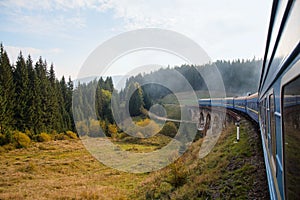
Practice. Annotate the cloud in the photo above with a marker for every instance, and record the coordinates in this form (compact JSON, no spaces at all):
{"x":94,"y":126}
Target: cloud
{"x":46,"y":18}
{"x":225,"y":29}
{"x":238,"y":24}
{"x":51,"y":4}
{"x":213,"y":24}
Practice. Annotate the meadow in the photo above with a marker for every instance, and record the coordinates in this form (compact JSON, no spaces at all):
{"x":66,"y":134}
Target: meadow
{"x":64,"y":169}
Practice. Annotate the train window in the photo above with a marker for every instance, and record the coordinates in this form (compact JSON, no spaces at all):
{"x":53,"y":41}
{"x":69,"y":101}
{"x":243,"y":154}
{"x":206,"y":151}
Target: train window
{"x":291,"y":135}
{"x":267,"y":109}
{"x":272,"y":129}
{"x":265,"y":118}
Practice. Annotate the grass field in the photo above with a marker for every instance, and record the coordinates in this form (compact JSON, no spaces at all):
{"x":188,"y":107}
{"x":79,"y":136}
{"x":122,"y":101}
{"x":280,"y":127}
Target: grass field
{"x":61,"y":170}
{"x":65,"y":170}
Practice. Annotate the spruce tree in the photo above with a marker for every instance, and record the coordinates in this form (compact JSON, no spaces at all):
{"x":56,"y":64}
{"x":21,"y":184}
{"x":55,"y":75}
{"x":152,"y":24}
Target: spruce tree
{"x":21,"y":80}
{"x":30,"y":117}
{"x":8,"y":91}
{"x":53,"y":110}
{"x":135,"y":102}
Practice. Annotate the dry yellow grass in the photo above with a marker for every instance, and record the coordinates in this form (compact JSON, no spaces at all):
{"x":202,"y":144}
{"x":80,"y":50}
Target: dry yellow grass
{"x":61,"y":170}
{"x":65,"y":170}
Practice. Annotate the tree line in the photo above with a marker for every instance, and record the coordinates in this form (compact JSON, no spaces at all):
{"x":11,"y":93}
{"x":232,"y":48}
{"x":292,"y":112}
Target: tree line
{"x":32,"y":98}
{"x":144,"y":90}
{"x":239,"y":78}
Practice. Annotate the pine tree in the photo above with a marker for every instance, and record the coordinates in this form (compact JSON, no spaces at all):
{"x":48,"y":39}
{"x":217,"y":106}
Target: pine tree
{"x":30,"y":117}
{"x":53,"y":110}
{"x":99,"y":100}
{"x":44,"y":95}
{"x":21,"y":80}
{"x":134,"y":99}
{"x":108,"y":84}
{"x":8,"y":91}
{"x":36,"y":106}
{"x":66,"y":104}
{"x":69,"y":99}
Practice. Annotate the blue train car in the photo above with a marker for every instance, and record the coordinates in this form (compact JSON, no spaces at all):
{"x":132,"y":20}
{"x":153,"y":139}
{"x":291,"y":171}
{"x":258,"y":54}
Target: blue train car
{"x":279,"y":107}
{"x":240,"y":104}
{"x":252,"y":106}
{"x":228,"y":102}
{"x":204,"y":102}
{"x":217,"y":102}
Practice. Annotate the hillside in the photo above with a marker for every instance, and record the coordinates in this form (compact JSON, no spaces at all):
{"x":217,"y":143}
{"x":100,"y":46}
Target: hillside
{"x":231,"y":170}
{"x":63,"y":169}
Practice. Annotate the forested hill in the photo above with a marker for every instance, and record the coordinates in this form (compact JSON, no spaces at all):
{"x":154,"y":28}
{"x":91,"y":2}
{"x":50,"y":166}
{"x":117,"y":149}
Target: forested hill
{"x":32,"y":98}
{"x":239,"y":77}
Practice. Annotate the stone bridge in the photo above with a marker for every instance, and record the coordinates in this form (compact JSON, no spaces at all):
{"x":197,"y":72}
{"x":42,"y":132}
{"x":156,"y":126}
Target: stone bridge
{"x":207,"y":117}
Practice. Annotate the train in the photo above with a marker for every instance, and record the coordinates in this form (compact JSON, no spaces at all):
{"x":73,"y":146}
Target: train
{"x":275,"y":107}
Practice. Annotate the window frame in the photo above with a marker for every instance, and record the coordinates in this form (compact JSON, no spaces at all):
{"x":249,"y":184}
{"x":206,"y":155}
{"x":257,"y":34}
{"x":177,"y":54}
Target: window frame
{"x":292,"y":74}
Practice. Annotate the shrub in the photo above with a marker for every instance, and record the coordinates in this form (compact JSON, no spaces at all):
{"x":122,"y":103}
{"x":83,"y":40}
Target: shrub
{"x":178,"y":175}
{"x":113,"y":130}
{"x":61,"y":136}
{"x":71,"y":134}
{"x":94,"y":128}
{"x":82,"y":128}
{"x":29,"y":133}
{"x":21,"y":140}
{"x":169,"y":129}
{"x":6,"y":137}
{"x":122,"y":135}
{"x":9,"y":147}
{"x":43,"y":137}
{"x":143,"y":129}
{"x":2,"y":150}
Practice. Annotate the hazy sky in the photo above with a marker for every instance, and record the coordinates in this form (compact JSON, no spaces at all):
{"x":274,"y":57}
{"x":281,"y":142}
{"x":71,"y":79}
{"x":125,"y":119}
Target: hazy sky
{"x":65,"y":32}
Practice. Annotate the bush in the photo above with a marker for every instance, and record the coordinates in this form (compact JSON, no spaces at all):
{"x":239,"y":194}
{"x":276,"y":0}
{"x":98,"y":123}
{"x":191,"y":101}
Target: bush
{"x":112,"y":130}
{"x":71,"y":134}
{"x":29,"y":133}
{"x":178,"y":175}
{"x":122,"y":135}
{"x":43,"y":137}
{"x":6,"y":137}
{"x":96,"y":129}
{"x":61,"y":136}
{"x":21,"y":140}
{"x":169,"y":129}
{"x":2,"y":149}
{"x":82,"y":128}
{"x":143,"y":129}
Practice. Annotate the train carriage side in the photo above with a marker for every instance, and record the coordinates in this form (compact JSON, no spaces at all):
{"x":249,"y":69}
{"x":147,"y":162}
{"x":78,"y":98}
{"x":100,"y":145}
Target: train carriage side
{"x":279,"y":91}
{"x":240,"y":104}
{"x":204,"y":102}
{"x":252,"y":106}
{"x":228,"y":102}
{"x":217,"y":102}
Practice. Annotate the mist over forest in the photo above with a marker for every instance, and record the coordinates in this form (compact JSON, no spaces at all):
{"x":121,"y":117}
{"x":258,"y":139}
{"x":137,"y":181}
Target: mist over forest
{"x":239,"y":78}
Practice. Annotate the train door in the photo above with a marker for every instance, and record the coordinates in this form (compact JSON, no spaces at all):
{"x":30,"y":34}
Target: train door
{"x":268,"y":125}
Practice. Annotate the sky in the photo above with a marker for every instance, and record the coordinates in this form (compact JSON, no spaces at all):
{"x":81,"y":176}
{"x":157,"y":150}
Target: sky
{"x":65,"y":32}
